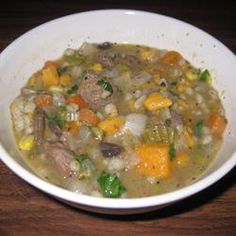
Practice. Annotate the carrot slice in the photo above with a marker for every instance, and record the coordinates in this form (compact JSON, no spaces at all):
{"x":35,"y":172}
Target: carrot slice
{"x":76,"y":99}
{"x":217,"y":124}
{"x":88,"y":116}
{"x":43,"y":100}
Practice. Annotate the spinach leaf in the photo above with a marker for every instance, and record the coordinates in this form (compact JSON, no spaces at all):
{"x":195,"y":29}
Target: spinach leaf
{"x":73,"y":89}
{"x":105,"y":85}
{"x":110,"y":185}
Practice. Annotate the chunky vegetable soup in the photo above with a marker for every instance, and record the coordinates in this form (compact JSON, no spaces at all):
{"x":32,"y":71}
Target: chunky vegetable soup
{"x":119,"y":120}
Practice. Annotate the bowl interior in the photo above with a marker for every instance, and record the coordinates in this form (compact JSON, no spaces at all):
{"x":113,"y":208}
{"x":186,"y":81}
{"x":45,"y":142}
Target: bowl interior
{"x":29,"y":52}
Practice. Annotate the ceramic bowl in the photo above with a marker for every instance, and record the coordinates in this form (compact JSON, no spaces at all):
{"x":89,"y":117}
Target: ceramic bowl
{"x":48,"y":41}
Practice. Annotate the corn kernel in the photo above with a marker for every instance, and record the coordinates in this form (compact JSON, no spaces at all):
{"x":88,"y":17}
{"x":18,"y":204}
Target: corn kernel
{"x":97,"y":67}
{"x":26,"y":142}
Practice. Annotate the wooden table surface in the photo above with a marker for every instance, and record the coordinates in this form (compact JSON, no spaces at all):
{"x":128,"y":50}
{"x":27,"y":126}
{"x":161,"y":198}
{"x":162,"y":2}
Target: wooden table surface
{"x":26,"y":211}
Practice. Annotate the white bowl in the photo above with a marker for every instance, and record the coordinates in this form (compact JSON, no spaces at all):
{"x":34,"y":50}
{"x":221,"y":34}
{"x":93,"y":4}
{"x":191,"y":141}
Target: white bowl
{"x":29,"y":52}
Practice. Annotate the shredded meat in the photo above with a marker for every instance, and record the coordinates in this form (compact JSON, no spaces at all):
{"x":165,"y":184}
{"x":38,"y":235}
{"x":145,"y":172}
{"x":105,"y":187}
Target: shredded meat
{"x":59,"y":156}
{"x":39,"y":126}
{"x":92,"y":92}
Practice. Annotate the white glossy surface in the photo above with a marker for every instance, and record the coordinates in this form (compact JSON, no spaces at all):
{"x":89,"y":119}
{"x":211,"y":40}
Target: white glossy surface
{"x":29,"y":52}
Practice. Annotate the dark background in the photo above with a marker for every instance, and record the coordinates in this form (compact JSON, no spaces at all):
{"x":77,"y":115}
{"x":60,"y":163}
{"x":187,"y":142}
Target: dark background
{"x":27,"y":211}
{"x":216,"y":17}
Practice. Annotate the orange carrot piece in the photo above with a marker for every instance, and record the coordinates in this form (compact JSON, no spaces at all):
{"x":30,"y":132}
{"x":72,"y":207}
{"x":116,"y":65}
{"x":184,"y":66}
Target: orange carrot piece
{"x":43,"y":100}
{"x":76,"y":99}
{"x":171,"y":58}
{"x":154,"y":160}
{"x":88,"y":116}
{"x":51,"y":63}
{"x":50,"y":76}
{"x":217,"y":124}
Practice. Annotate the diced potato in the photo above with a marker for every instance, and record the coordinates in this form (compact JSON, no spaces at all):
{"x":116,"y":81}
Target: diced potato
{"x":154,"y":160}
{"x":26,"y":142}
{"x":50,"y":76}
{"x":112,"y":125}
{"x":156,"y":101}
{"x":111,"y":110}
{"x":97,"y":67}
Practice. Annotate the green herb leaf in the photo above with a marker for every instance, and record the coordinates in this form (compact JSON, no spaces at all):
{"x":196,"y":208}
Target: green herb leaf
{"x":73,"y":89}
{"x":172,"y":151}
{"x":85,"y":162}
{"x":56,"y":118}
{"x":110,"y":185}
{"x":198,"y":128}
{"x":105,"y":85}
{"x":205,"y":76}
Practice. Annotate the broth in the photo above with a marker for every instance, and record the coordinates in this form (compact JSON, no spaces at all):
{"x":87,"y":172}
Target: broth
{"x":119,"y":120}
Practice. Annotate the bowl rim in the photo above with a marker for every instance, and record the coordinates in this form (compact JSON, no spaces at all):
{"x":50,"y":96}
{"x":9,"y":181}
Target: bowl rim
{"x":121,"y":203}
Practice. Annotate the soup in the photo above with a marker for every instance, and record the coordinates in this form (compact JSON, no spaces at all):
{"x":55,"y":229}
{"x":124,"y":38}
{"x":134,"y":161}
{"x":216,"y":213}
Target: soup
{"x":119,"y":120}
